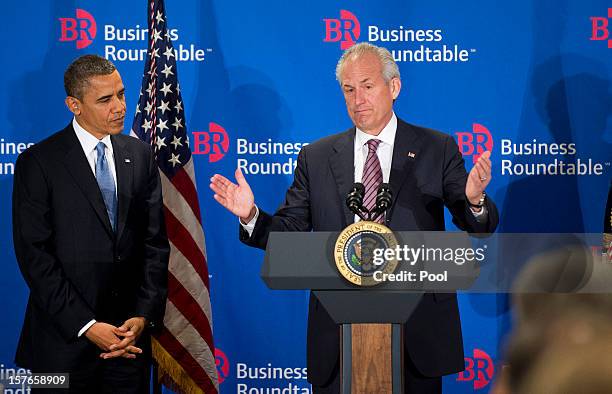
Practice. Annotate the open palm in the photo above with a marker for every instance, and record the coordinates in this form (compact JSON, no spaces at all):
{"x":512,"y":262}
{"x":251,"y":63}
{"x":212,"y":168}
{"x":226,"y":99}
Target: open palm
{"x":236,"y":198}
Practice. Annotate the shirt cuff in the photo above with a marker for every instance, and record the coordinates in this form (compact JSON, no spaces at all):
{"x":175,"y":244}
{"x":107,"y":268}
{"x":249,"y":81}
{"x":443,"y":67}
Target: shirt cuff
{"x":250,"y":226}
{"x":481,"y":215}
{"x":86,"y":327}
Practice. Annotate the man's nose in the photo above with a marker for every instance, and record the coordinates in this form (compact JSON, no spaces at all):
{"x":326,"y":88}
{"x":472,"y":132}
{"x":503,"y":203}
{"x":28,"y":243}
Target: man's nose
{"x":359,"y":96}
{"x":118,"y":104}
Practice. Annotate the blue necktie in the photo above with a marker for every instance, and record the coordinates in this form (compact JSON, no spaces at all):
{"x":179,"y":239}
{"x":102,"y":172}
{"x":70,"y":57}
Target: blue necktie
{"x":106,"y":183}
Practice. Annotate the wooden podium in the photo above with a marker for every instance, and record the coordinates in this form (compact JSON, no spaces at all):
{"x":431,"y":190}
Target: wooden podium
{"x":370,"y":319}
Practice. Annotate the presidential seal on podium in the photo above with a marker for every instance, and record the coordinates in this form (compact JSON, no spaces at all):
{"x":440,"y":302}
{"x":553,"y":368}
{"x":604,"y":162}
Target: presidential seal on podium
{"x":359,"y":252}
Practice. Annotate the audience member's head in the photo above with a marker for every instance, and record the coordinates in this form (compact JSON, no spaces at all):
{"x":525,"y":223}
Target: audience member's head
{"x":549,"y":316}
{"x":576,"y":358}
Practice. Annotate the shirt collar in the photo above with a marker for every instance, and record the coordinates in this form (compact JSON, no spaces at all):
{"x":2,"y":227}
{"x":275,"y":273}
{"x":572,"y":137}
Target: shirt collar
{"x":88,"y":141}
{"x":386,"y":136}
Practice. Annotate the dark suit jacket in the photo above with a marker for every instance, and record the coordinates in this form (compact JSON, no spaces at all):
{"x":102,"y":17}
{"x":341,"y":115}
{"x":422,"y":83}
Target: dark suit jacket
{"x":435,"y":177}
{"x":76,"y":267}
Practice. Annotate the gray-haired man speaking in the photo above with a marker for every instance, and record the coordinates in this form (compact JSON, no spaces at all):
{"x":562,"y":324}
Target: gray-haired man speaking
{"x":426,"y":172}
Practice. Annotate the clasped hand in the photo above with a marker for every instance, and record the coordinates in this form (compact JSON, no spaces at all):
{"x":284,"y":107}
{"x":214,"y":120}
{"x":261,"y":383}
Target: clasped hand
{"x":117,"y":341}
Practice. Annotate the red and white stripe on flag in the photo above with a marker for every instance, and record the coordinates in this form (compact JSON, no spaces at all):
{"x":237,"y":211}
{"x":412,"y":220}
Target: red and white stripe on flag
{"x":184,"y":349}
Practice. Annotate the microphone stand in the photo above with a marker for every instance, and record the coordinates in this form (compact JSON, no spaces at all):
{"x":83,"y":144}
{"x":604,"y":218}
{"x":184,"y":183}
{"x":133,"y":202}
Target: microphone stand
{"x":354,"y":201}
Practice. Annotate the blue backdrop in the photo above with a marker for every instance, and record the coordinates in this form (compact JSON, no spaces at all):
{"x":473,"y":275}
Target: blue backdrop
{"x":529,"y":80}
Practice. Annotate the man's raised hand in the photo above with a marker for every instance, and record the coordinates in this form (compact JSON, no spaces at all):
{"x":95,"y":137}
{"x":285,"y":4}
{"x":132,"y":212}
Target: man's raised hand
{"x":236,"y":198}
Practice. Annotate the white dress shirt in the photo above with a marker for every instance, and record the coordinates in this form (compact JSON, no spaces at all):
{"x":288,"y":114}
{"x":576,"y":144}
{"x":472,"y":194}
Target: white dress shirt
{"x":89,"y":143}
{"x":384,"y":151}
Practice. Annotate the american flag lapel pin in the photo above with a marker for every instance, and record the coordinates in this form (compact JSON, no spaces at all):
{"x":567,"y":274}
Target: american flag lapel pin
{"x":411,"y":155}
{"x":127,"y":160}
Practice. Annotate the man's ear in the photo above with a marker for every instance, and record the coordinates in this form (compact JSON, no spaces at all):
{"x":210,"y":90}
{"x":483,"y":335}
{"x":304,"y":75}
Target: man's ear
{"x":396,"y":86}
{"x":74,"y":105}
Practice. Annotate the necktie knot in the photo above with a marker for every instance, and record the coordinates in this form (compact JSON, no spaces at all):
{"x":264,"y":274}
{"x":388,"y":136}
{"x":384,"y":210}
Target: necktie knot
{"x":373,"y":145}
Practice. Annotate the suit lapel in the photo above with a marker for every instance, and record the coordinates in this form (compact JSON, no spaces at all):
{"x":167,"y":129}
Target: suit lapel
{"x":77,"y":165}
{"x":124,"y":170}
{"x":405,"y":152}
{"x":343,"y":169}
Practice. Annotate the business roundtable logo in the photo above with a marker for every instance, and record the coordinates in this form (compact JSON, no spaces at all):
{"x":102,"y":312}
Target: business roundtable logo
{"x":600,"y":30}
{"x":81,"y":29}
{"x":409,"y":42}
{"x":125,"y":43}
{"x":479,"y":370}
{"x":474,"y":143}
{"x":213,"y":143}
{"x":345,"y":29}
{"x":222,"y":364}
{"x":529,"y":156}
{"x":264,"y":156}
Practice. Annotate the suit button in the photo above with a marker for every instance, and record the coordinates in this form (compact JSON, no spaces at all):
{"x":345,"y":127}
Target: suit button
{"x":115,"y":293}
{"x":118,"y":259}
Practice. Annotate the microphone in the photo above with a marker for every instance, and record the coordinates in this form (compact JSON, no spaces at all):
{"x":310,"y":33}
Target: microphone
{"x":354,"y":200}
{"x":383,"y":200}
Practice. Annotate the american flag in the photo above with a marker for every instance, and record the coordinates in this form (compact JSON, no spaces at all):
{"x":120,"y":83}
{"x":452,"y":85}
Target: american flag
{"x":184,"y":349}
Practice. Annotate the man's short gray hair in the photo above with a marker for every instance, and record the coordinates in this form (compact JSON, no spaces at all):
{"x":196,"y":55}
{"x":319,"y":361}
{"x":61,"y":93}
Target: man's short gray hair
{"x":78,"y":73}
{"x":389,"y":67}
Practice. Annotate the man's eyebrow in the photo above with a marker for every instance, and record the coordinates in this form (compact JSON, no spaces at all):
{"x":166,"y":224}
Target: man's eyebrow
{"x":104,"y":97}
{"x":347,"y":85}
{"x":122,"y":90}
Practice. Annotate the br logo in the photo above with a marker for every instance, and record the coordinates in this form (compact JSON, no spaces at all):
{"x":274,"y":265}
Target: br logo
{"x":222,"y":364}
{"x":478,"y":369}
{"x":474,"y":143}
{"x":599,"y":28}
{"x":346,"y":29}
{"x":81,"y":29}
{"x":213,"y":142}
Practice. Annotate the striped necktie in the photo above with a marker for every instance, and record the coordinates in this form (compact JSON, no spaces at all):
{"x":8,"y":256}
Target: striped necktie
{"x":372,"y":177}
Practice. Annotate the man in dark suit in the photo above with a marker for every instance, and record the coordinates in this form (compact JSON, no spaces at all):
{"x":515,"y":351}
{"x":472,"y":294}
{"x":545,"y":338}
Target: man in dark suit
{"x":426,"y":172}
{"x":90,"y":240}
